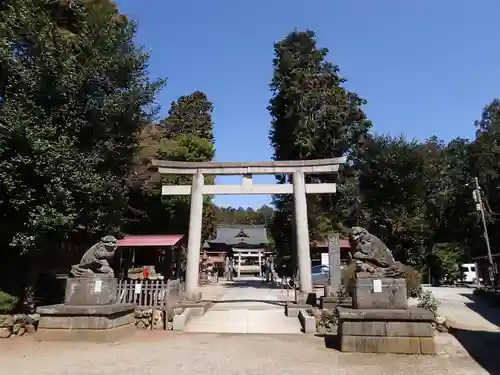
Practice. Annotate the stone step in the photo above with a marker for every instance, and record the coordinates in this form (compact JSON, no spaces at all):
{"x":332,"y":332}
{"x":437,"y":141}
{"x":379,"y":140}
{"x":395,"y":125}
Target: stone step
{"x":244,"y":321}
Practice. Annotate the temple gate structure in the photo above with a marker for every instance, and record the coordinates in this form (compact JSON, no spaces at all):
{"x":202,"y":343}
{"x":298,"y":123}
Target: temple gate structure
{"x":297,"y":168}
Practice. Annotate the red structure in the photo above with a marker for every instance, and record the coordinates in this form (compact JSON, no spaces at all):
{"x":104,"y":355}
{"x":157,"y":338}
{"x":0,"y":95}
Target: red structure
{"x":161,"y":252}
{"x":167,"y":240}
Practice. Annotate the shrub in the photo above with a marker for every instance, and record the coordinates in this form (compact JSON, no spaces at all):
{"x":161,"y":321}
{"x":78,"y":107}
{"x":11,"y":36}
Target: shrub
{"x":7,"y":302}
{"x":328,"y":320}
{"x":428,"y":302}
{"x":413,"y":281}
{"x":412,"y":276}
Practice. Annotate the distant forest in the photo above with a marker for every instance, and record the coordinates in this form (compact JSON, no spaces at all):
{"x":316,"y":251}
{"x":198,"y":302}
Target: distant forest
{"x":248,"y":216}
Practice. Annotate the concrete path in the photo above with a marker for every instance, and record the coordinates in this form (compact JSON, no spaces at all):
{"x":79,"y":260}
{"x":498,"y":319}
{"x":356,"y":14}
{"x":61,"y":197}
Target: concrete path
{"x":247,"y":306}
{"x":463,"y":310}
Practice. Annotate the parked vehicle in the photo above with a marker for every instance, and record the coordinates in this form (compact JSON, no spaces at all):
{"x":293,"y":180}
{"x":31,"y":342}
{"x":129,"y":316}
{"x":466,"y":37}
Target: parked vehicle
{"x":469,"y":273}
{"x":320,"y":274}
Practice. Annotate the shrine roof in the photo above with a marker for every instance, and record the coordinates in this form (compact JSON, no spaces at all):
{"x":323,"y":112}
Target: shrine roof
{"x":150,"y":240}
{"x":240,"y":235}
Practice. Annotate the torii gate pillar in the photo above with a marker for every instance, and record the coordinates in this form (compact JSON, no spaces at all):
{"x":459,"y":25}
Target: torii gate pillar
{"x":194,"y":238}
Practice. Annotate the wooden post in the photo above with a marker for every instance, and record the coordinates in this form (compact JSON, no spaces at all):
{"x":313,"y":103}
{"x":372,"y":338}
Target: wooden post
{"x":153,"y":301}
{"x":164,"y":303}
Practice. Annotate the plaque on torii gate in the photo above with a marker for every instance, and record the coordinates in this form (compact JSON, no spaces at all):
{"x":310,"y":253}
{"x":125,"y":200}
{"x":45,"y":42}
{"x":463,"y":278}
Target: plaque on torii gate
{"x":297,"y":168}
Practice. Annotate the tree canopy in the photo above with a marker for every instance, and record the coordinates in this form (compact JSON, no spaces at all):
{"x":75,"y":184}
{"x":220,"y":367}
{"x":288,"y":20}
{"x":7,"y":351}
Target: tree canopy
{"x":73,"y":94}
{"x":313,"y":117}
{"x":184,"y":135}
{"x":79,"y":126}
{"x":415,"y":195}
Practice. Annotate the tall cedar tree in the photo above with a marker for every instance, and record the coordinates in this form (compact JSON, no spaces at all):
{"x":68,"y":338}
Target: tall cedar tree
{"x":191,"y":114}
{"x":313,"y":117}
{"x":184,"y":135}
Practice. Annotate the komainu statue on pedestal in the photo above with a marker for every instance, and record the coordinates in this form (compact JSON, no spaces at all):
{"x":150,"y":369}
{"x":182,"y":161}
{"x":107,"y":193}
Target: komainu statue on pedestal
{"x":95,"y":261}
{"x":373,"y":258}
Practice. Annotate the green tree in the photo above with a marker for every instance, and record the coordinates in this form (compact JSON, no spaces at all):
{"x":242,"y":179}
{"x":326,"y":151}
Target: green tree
{"x":73,"y":93}
{"x":179,"y":139}
{"x":445,"y":261}
{"x":392,"y":184}
{"x":191,"y":114}
{"x":414,"y":195}
{"x":246,"y":216}
{"x":313,"y":116}
{"x":485,"y":155}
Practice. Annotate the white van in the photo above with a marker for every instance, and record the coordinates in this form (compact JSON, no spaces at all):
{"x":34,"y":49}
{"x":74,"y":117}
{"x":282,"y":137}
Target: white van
{"x":469,"y":272}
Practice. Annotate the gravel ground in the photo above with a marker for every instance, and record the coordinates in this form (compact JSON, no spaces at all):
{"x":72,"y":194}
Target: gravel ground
{"x":170,"y":353}
{"x":227,"y":354}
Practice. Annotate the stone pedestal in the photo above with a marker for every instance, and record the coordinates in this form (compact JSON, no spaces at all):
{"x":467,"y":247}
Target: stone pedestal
{"x":107,"y":323}
{"x":306,"y":298}
{"x":391,"y":295}
{"x":94,"y":291}
{"x":89,"y":313}
{"x":386,"y":331}
{"x":330,"y":303}
{"x":381,"y":322}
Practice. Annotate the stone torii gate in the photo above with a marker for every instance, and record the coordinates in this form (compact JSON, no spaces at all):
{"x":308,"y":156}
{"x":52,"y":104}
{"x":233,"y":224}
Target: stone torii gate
{"x":298,"y":187}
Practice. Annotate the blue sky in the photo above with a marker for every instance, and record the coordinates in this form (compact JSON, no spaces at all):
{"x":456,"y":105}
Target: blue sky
{"x":426,"y":67}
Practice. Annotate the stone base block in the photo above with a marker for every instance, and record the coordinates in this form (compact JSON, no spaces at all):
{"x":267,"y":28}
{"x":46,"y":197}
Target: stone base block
{"x":396,"y":345}
{"x":386,"y":331}
{"x":391,"y":295}
{"x":199,"y":307}
{"x":180,"y":321}
{"x":330,"y":303}
{"x":85,"y":323}
{"x":85,"y":335}
{"x":195,"y":297}
{"x":292,"y":309}
{"x":413,"y":314}
{"x":304,"y":298}
{"x":95,"y":291}
{"x":307,"y":321}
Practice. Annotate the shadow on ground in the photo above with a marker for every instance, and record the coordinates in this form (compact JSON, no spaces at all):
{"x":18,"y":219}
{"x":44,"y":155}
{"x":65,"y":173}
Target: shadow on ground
{"x":482,"y":346}
{"x":275,"y":303}
{"x":484,"y":308}
{"x":257,"y":284}
{"x":332,"y":340}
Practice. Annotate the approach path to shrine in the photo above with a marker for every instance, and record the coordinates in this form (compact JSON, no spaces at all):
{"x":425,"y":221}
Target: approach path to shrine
{"x":247,"y":305}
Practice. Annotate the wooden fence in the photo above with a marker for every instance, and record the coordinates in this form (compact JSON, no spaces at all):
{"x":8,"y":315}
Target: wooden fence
{"x":149,"y":293}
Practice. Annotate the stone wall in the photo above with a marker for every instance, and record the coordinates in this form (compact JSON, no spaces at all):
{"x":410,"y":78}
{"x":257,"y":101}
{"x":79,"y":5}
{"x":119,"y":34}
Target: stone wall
{"x":18,"y":325}
{"x":21,"y":324}
{"x":145,"y":317}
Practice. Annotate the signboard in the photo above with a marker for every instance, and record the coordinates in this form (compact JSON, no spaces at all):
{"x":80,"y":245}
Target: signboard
{"x":138,"y":288}
{"x":97,"y":286}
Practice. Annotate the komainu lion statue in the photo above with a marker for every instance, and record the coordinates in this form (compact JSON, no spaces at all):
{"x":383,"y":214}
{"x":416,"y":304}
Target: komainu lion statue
{"x":95,"y":261}
{"x":373,"y":258}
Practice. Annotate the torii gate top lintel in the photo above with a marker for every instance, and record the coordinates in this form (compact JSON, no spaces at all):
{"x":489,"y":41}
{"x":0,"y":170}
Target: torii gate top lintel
{"x":246,"y":170}
{"x":318,"y":166}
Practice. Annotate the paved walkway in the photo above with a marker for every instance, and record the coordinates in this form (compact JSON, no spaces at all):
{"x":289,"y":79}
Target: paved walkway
{"x":247,"y":306}
{"x":465,"y":311}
